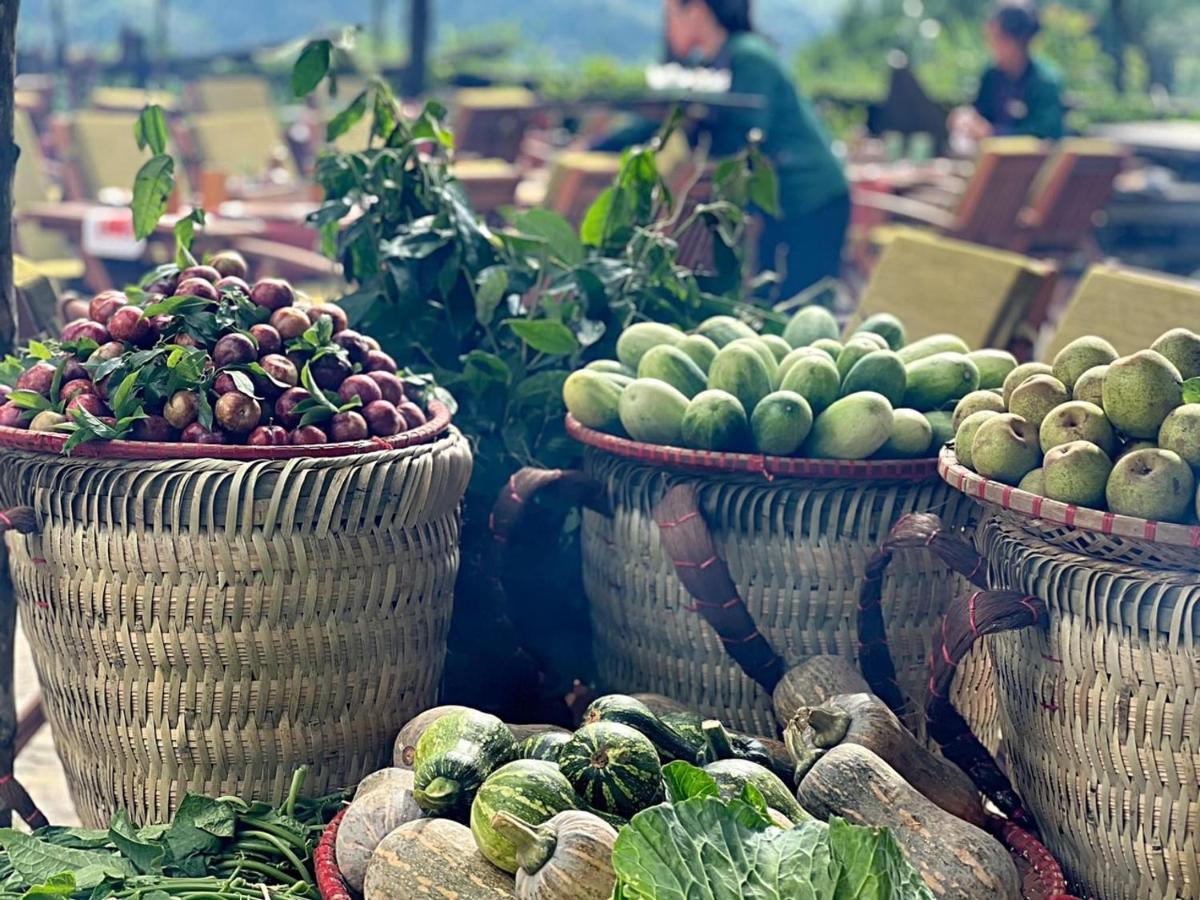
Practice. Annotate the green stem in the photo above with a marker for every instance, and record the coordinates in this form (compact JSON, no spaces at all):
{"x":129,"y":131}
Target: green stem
{"x":282,"y":848}
{"x":717,"y":738}
{"x":438,"y":796}
{"x":534,"y":846}
{"x":251,"y":865}
{"x":286,"y":834}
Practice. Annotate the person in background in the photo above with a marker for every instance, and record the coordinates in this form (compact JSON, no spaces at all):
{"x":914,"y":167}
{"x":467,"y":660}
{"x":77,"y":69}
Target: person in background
{"x":1018,"y":95}
{"x":804,"y":244}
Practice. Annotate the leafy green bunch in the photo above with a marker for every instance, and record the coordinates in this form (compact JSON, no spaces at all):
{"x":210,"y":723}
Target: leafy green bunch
{"x":746,"y":856}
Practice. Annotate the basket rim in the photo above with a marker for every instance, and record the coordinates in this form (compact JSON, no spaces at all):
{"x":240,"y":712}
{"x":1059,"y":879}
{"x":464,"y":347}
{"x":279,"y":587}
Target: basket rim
{"x":51,"y":443}
{"x":754,"y":463}
{"x":330,"y":883}
{"x":1032,"y":506}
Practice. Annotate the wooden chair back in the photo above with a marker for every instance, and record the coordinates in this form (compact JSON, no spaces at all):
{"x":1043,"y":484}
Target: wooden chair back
{"x":1129,"y":308}
{"x":231,"y":92}
{"x":577,"y":178}
{"x":937,"y":285}
{"x":32,"y":184}
{"x":1069,"y":193}
{"x":129,"y":99}
{"x":239,"y":142}
{"x":990,"y":209}
{"x":491,"y":122}
{"x":489,"y":183}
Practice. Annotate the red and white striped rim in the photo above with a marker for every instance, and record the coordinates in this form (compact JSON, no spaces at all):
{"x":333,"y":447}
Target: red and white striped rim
{"x":1007,"y":497}
{"x":755,"y":463}
{"x":50,"y":442}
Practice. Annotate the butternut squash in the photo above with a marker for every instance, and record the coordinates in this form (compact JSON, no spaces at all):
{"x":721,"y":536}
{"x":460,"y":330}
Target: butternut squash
{"x":865,"y":720}
{"x":433,"y":858}
{"x":814,"y":680}
{"x":567,"y":858}
{"x":957,"y":860}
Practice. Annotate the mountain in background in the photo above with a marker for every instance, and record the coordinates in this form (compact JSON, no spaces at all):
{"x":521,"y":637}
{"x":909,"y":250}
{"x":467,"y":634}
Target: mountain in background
{"x":558,"y":30}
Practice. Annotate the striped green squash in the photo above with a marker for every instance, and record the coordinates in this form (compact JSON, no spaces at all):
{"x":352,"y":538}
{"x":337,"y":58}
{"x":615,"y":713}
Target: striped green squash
{"x":637,"y":715}
{"x":732,"y":776}
{"x":532,"y":790}
{"x":547,"y":745}
{"x":613,"y":767}
{"x":453,"y":757}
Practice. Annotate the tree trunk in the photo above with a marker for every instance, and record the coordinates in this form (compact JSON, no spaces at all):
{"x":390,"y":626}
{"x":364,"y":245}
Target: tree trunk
{"x":1120,"y":24}
{"x":58,"y":26}
{"x":8,"y":335}
{"x":379,"y":28}
{"x":419,"y":31}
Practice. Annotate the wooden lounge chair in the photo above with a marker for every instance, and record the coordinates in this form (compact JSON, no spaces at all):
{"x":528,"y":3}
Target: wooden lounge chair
{"x":990,"y":208}
{"x":239,"y":142}
{"x":1128,"y":307}
{"x":577,"y":178}
{"x":491,"y":122}
{"x":230,"y":93}
{"x":489,"y":183}
{"x":1068,"y":195}
{"x":127,"y":99}
{"x":938,"y":285}
{"x":98,"y":152}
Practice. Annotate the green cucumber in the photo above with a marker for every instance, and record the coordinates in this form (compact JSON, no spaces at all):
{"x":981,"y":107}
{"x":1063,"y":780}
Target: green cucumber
{"x":637,"y":715}
{"x":610,"y":367}
{"x":613,"y":768}
{"x":454,"y":756}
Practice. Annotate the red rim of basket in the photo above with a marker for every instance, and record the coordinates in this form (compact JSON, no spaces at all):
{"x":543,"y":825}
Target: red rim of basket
{"x":329,"y":877}
{"x":1031,"y":505}
{"x":755,"y":463}
{"x":49,"y":442}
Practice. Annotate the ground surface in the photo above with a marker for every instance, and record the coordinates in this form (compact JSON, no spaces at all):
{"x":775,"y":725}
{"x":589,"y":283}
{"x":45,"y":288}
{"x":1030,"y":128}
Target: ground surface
{"x":38,"y":767}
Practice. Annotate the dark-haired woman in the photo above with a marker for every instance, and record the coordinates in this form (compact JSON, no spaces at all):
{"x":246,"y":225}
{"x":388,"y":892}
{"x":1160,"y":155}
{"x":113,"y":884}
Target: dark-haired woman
{"x":1019,"y":94}
{"x":804,"y":244}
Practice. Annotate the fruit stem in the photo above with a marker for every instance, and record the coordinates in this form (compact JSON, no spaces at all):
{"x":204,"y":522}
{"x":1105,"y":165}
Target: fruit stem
{"x":534,"y":846}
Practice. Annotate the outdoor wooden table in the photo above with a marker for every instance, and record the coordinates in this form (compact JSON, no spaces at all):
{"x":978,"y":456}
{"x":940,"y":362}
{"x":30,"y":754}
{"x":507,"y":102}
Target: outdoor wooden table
{"x":1172,"y":144}
{"x":69,"y":218}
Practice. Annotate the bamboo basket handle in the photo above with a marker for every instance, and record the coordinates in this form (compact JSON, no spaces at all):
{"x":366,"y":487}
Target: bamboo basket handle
{"x":509,"y":509}
{"x":915,"y":530}
{"x":1045,"y":879}
{"x":21,"y":519}
{"x":688,"y":542}
{"x":966,"y":621}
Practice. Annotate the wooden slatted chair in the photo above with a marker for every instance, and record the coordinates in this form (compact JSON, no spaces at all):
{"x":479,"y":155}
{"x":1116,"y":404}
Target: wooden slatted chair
{"x":1068,"y":196}
{"x":989,"y":210}
{"x":490,"y":184}
{"x":491,"y":122}
{"x":1128,"y":307}
{"x":577,"y":178}
{"x":240,"y":141}
{"x":230,"y":92}
{"x":98,"y":152}
{"x":937,"y":284}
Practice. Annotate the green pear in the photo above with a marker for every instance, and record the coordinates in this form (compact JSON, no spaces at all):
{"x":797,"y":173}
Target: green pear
{"x":1006,"y":448}
{"x":1034,"y":482}
{"x":1182,"y":348}
{"x":1077,"y":473}
{"x":1018,"y":375}
{"x":1089,"y":387}
{"x":1036,"y":397}
{"x":975,"y":402}
{"x":1152,"y":484}
{"x":1180,"y":432}
{"x":1077,"y":421}
{"x":1080,"y":355}
{"x":1139,"y":391}
{"x":964,"y":437}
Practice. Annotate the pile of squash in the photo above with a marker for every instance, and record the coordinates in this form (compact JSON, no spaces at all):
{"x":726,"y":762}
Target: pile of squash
{"x":472,"y":802}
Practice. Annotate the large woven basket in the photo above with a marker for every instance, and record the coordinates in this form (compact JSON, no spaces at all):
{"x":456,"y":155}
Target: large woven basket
{"x":796,"y":536}
{"x":1101,"y":710}
{"x":209,"y":625}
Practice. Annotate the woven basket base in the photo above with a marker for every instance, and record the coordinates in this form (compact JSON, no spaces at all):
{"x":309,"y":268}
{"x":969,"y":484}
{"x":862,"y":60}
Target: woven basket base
{"x":211,"y":625}
{"x":797,"y":549}
{"x":1101,"y":714}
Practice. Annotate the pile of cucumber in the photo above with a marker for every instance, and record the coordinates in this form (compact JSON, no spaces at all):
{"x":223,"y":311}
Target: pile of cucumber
{"x":728,"y":388}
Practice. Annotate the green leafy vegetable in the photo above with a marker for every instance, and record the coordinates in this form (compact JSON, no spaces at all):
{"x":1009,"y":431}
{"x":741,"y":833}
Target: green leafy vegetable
{"x":37,"y":861}
{"x":347,"y":118}
{"x":684,"y":781}
{"x":152,"y":189}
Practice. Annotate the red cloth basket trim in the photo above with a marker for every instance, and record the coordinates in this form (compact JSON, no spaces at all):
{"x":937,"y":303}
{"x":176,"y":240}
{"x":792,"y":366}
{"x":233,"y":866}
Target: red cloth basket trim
{"x":755,"y":464}
{"x":329,"y":877}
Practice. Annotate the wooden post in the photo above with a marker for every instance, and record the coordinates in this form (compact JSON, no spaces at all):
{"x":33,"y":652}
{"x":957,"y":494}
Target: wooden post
{"x":416,"y":73}
{"x":379,"y":29}
{"x":8,"y":335}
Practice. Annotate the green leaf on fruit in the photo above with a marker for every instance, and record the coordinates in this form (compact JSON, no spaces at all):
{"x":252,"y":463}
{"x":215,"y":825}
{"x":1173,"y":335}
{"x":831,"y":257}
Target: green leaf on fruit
{"x":545,"y":336}
{"x":151,"y":190}
{"x":556,"y":231}
{"x":491,"y":286}
{"x":29,"y":400}
{"x":150,"y":129}
{"x":179,"y":305}
{"x":311,"y":66}
{"x":40,"y":351}
{"x":1191,"y":390}
{"x":185,"y":234}
{"x":243,"y":383}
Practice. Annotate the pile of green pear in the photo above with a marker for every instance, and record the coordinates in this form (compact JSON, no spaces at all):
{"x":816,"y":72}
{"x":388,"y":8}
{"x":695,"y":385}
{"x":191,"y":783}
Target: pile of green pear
{"x":1095,"y":429}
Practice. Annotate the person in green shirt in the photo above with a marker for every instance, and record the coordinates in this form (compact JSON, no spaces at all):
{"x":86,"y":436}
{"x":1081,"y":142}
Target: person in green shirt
{"x":804,"y":244}
{"x":1018,"y":94}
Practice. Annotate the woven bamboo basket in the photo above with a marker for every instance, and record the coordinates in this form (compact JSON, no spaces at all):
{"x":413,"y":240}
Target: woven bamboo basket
{"x":209,"y":625}
{"x":796,"y":537}
{"x":1100,"y":709}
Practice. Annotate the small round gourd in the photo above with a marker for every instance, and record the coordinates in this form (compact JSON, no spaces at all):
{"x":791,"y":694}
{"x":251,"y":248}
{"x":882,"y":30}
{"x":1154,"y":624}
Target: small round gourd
{"x":370,"y":819}
{"x":613,"y":767}
{"x":567,"y":858}
{"x":391,"y":777}
{"x":405,"y":749}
